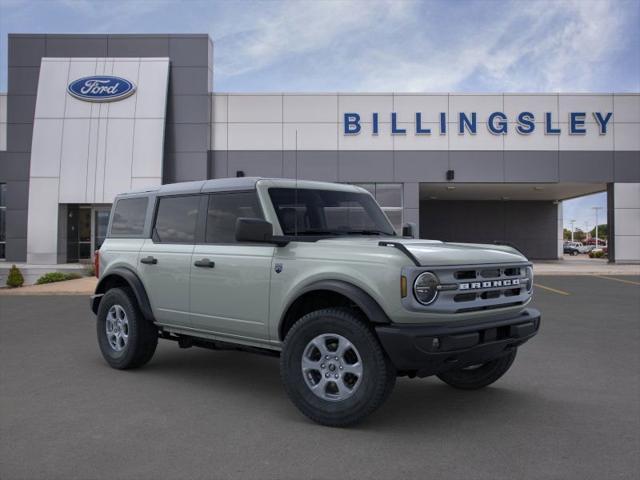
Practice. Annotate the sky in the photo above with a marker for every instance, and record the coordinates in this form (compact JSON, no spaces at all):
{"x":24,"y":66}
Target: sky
{"x":377,"y":45}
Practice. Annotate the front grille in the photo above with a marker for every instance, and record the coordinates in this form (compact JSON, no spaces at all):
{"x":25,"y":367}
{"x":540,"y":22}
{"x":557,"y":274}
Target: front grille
{"x":476,"y":288}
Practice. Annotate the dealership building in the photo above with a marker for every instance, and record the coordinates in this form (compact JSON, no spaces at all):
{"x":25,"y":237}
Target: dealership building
{"x":86,"y":117}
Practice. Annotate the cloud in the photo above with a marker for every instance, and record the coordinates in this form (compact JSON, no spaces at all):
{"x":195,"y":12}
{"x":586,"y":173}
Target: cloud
{"x":409,"y":46}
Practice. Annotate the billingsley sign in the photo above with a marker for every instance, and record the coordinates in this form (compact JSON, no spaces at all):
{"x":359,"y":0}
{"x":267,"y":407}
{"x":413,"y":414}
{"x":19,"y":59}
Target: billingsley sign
{"x":497,"y":123}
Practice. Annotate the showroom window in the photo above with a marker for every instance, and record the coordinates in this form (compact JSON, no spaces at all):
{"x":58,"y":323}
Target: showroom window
{"x":389,"y":196}
{"x":3,"y":216}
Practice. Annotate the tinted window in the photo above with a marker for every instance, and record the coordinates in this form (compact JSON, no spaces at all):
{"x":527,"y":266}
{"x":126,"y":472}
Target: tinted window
{"x":128,"y":216}
{"x":328,"y":212}
{"x":224,"y":210}
{"x":176,"y":219}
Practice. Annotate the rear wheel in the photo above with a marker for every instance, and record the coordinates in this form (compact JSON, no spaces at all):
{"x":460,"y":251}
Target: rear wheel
{"x":334,"y":369}
{"x":479,"y":376}
{"x":126,"y":338}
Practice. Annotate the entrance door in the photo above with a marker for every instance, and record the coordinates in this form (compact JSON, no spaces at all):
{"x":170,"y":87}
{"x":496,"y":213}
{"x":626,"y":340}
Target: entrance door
{"x":78,"y":233}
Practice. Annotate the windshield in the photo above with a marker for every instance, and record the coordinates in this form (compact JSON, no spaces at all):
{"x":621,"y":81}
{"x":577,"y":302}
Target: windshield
{"x":328,"y":212}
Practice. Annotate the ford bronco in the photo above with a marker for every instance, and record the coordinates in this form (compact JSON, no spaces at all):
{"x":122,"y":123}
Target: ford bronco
{"x":315,"y":273}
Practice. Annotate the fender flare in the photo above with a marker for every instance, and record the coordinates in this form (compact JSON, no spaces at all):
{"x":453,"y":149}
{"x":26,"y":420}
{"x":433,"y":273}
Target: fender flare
{"x":133,"y":281}
{"x":362,"y":299}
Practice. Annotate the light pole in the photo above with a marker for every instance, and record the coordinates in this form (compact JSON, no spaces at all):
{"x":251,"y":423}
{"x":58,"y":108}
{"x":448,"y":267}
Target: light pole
{"x":596,"y":210}
{"x":572,"y":222}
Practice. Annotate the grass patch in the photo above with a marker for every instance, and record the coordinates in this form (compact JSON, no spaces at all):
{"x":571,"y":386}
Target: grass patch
{"x":53,"y":277}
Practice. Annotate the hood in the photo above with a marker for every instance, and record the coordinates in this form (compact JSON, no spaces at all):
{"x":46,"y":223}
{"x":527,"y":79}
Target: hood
{"x":436,"y":253}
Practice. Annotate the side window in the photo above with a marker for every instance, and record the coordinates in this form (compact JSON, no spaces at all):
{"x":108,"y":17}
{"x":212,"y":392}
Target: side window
{"x":176,"y":219}
{"x":128,"y":217}
{"x":224,"y":209}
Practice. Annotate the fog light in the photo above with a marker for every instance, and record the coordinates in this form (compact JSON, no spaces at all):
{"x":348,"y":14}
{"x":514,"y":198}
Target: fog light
{"x":435,"y":343}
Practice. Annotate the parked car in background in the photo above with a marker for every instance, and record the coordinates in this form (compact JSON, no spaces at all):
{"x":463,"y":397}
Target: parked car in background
{"x":578,"y":246}
{"x":570,"y":249}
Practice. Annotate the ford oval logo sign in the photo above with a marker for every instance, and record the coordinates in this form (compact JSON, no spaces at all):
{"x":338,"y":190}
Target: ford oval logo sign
{"x":101,"y":88}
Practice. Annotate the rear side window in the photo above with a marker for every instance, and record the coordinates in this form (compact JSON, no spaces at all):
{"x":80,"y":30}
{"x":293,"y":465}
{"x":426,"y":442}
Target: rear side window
{"x":176,"y":219}
{"x":224,"y":209}
{"x":128,"y":217}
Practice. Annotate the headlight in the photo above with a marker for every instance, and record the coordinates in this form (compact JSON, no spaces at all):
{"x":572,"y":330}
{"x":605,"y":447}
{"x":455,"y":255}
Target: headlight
{"x":529,"y":279}
{"x":425,"y":288}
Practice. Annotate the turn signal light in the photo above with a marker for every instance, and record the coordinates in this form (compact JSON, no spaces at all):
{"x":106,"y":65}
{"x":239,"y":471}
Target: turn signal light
{"x":403,"y":286}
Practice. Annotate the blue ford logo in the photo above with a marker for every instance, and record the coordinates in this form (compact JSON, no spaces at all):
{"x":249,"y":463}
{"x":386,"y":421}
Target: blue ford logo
{"x":101,"y":88}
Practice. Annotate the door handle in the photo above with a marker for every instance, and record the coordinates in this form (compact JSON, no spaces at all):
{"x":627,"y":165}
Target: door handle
{"x":205,"y":262}
{"x":149,"y":260}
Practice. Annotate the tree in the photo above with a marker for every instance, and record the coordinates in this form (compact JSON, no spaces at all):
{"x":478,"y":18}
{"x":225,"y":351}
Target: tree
{"x":578,"y":235}
{"x":566,"y":234}
{"x":603,"y":231}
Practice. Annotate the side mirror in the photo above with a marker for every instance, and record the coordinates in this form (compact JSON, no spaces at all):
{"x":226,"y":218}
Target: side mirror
{"x":409,"y":230}
{"x":253,"y":230}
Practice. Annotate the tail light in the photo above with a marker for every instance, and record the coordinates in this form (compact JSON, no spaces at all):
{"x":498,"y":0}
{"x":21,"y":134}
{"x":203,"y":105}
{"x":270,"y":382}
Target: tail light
{"x":96,"y":263}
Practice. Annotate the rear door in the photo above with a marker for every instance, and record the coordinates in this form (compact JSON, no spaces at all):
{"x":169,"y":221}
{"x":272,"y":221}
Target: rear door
{"x":230,"y":280}
{"x":165,"y":259}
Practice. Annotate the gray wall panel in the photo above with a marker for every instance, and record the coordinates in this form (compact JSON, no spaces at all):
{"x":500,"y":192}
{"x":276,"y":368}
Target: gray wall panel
{"x":188,"y":109}
{"x":16,"y":223}
{"x":15,"y":167}
{"x":188,"y":80}
{"x":184,"y":167}
{"x":626,"y":166}
{"x":26,"y":50}
{"x":22,"y":108}
{"x":19,"y":137}
{"x":138,"y":46}
{"x":532,"y":226}
{"x":23,"y":81}
{"x":586,"y":166}
{"x":187,"y":137}
{"x":76,"y":46}
{"x":189,"y":51}
{"x":16,"y":250}
{"x":218,"y":164}
{"x":529,"y":166}
{"x":17,"y":195}
{"x":256,"y":163}
{"x":477,"y":166}
{"x":423,"y":166}
{"x":365,"y":166}
{"x":312,"y":165}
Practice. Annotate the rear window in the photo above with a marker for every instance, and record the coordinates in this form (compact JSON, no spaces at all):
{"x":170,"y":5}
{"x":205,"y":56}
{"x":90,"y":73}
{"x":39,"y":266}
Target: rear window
{"x":177,"y":219}
{"x":128,"y":217}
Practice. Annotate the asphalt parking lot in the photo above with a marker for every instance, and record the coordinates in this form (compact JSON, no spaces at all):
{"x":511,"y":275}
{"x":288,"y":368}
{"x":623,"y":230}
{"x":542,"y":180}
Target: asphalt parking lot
{"x":568,"y":408}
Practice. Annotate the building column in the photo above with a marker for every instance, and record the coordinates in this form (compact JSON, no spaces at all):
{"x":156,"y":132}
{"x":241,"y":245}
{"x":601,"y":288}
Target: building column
{"x":411,"y":205}
{"x":624,"y":222}
{"x":560,"y":236}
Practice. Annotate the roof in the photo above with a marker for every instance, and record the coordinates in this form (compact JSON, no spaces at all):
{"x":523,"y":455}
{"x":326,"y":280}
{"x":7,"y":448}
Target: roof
{"x":233,"y":183}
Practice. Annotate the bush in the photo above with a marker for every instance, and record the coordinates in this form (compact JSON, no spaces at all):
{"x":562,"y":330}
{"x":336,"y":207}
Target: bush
{"x":15,"y":278}
{"x":596,"y":254}
{"x":90,"y":270}
{"x":52,"y":277}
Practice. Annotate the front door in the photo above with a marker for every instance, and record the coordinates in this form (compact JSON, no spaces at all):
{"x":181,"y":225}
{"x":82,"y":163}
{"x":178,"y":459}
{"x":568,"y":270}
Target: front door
{"x":165,"y":259}
{"x":230,"y":280}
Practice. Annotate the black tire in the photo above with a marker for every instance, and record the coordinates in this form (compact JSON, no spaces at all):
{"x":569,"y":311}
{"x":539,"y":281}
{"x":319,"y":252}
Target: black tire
{"x":378,"y":378}
{"x":142,"y":334}
{"x":574,"y":253}
{"x":479,"y":377}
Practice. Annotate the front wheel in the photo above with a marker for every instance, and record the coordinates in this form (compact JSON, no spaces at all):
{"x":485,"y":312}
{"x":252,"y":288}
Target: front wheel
{"x":479,"y":376}
{"x":334,"y":369}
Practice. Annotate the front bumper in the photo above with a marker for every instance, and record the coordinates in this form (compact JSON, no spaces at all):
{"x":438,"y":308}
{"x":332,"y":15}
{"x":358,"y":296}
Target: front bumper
{"x":428,"y":350}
